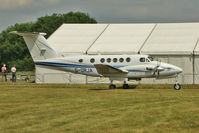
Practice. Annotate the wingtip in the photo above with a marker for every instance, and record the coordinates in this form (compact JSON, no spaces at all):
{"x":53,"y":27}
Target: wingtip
{"x":13,"y":32}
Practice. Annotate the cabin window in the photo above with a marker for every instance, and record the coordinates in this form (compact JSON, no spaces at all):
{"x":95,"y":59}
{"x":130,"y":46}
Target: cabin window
{"x":128,"y":59}
{"x":115,"y":60}
{"x":121,"y":60}
{"x":80,"y":60}
{"x":108,"y":60}
{"x":142,"y":59}
{"x":102,"y":60}
{"x":92,"y":60}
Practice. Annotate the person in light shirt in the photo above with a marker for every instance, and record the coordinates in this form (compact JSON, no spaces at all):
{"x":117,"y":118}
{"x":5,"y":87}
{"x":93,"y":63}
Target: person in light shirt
{"x":4,"y":70}
{"x":13,"y":70}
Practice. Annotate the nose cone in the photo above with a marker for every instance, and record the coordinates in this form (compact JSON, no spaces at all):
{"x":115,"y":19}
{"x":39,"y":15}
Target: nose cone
{"x":171,"y":69}
{"x":168,"y":69}
{"x":178,"y":70}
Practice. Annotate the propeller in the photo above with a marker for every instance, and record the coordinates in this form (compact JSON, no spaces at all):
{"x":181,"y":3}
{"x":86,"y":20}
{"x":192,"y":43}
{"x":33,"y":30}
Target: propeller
{"x":157,"y":70}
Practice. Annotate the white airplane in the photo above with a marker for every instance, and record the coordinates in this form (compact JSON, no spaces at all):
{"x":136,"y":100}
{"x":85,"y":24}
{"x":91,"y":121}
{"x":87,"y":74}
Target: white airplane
{"x":115,"y":67}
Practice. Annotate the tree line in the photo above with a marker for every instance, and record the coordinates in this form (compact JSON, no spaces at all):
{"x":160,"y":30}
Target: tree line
{"x":13,"y":50}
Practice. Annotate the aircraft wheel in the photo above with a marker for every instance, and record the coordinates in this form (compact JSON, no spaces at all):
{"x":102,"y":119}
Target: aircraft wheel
{"x":125,"y":86}
{"x":177,"y":86}
{"x":112,"y":86}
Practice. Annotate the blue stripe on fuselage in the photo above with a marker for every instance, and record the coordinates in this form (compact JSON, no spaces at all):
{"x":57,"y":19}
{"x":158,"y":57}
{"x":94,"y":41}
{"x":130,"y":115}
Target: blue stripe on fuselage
{"x":54,"y":64}
{"x":62,"y":64}
{"x":71,"y":65}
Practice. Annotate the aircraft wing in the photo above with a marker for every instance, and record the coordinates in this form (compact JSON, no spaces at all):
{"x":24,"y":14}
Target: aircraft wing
{"x":107,"y":70}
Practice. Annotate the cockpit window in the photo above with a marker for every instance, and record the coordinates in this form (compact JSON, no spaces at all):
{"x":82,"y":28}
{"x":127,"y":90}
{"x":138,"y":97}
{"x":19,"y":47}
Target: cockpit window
{"x":147,"y":60}
{"x":150,"y":58}
{"x":142,"y":59}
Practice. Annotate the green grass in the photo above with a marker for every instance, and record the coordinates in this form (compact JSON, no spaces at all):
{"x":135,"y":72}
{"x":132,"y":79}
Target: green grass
{"x":33,"y":108}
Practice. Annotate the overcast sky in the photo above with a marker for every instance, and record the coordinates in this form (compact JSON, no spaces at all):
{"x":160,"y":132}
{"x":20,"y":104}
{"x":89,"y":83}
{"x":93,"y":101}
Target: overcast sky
{"x":104,"y":11}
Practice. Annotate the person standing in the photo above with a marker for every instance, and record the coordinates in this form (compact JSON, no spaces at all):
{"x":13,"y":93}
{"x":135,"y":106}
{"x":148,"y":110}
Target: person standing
{"x":13,"y":70}
{"x":4,"y":70}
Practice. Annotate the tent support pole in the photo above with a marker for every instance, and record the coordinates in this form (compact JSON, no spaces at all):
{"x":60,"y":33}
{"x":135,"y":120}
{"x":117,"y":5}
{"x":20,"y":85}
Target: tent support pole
{"x":147,"y":38}
{"x":193,"y":67}
{"x":194,"y":61}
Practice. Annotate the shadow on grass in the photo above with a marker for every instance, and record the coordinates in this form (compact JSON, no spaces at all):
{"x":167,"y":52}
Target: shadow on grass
{"x":120,"y":87}
{"x":99,"y":89}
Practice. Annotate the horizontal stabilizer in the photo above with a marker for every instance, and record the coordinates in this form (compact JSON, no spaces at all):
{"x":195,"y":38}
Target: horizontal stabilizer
{"x":27,"y":33}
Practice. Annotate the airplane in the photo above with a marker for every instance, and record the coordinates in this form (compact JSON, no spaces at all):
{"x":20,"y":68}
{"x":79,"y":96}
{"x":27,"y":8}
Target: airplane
{"x":115,"y":67}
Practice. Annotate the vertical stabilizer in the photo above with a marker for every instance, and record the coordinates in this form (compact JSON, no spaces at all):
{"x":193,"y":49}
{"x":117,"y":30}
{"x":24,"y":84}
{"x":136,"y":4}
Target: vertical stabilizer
{"x":37,"y":45}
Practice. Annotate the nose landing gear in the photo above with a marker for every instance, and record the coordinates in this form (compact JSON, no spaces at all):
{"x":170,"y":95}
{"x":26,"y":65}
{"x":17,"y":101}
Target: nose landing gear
{"x":177,"y":86}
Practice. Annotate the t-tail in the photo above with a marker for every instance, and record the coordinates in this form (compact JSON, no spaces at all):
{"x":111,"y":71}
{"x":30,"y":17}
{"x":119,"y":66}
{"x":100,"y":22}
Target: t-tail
{"x":37,"y":45}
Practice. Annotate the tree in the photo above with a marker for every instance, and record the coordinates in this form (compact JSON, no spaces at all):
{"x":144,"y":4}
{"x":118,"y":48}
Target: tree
{"x":12,"y":48}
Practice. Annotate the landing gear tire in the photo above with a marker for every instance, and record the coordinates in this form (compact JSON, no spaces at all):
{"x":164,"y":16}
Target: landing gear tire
{"x":125,"y":86}
{"x":112,"y":86}
{"x":177,"y":86}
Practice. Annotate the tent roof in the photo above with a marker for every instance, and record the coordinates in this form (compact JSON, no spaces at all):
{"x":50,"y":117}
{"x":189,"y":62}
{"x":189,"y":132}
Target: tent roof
{"x":122,"y":38}
{"x":174,"y":38}
{"x":160,"y":39}
{"x":75,"y":38}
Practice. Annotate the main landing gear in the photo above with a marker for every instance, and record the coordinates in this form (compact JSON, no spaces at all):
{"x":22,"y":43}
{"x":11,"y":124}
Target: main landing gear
{"x":125,"y":85}
{"x":112,"y":86}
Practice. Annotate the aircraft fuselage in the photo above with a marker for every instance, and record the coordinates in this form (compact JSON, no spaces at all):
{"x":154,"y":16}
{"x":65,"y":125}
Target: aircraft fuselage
{"x":136,"y":66}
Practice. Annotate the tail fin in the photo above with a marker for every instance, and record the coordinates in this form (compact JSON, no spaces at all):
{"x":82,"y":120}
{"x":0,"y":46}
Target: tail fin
{"x":37,"y":45}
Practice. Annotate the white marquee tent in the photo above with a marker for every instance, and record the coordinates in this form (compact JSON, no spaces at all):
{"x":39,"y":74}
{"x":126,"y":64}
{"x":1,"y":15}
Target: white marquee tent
{"x":175,"y":43}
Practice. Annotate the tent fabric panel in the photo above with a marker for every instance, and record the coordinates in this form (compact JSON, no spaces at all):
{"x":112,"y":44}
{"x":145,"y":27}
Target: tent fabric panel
{"x":122,"y":38}
{"x":173,"y":38}
{"x":75,"y":38}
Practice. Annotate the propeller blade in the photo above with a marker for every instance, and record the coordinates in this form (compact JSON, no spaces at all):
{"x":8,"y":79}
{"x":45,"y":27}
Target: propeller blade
{"x":156,"y":69}
{"x":158,"y":74}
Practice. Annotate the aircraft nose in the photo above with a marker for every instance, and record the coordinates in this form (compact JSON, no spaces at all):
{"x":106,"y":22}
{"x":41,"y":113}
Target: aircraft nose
{"x":178,"y":70}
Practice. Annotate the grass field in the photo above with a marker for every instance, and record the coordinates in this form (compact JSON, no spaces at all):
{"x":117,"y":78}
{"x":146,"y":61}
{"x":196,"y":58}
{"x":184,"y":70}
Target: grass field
{"x":32,"y":108}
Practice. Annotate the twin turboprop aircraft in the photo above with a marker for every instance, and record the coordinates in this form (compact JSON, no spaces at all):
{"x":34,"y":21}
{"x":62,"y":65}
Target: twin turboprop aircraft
{"x":115,"y":67}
